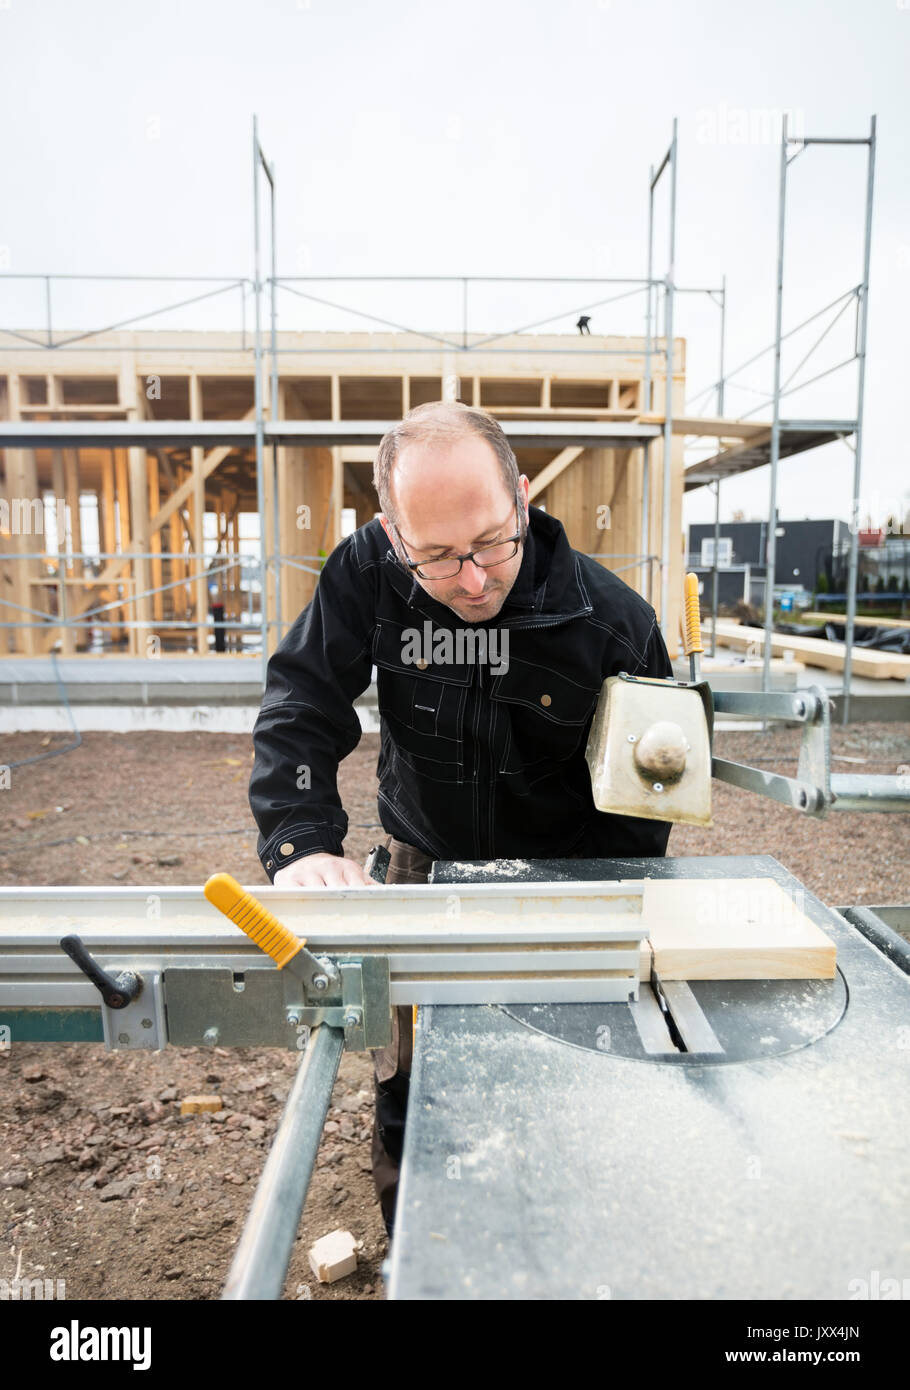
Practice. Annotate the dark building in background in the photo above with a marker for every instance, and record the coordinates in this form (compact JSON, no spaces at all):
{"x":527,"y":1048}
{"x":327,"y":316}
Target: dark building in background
{"x":806,"y":550}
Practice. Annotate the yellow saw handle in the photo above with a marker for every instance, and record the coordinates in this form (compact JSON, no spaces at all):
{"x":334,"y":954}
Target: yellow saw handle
{"x":250,"y":916}
{"x":693,"y":616}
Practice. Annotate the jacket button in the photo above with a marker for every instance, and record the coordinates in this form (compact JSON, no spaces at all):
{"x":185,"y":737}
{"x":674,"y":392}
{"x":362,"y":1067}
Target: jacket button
{"x":286,"y":848}
{"x":545,"y":700}
{"x":268,"y":863}
{"x":421,"y":664}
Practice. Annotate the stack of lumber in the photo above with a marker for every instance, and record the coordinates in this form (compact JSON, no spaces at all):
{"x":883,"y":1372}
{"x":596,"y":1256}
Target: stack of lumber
{"x":814,"y":651}
{"x":861,"y":620}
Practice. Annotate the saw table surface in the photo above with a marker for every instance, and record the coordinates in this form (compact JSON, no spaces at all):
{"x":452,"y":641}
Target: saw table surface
{"x":539,"y":1165}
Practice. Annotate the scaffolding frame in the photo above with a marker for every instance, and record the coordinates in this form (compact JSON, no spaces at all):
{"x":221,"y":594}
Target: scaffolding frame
{"x":857,"y":295}
{"x":273,"y":430}
{"x":804,"y":142}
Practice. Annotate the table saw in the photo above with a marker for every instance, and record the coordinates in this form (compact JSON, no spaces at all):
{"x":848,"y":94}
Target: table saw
{"x":619,"y":1089}
{"x":749,"y":1146}
{"x":706,"y":1138}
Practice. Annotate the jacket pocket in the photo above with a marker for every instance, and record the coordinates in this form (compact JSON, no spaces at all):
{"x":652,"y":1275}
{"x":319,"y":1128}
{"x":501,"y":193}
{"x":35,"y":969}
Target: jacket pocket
{"x":423,"y":711}
{"x":435,"y":752}
{"x":548,"y":718}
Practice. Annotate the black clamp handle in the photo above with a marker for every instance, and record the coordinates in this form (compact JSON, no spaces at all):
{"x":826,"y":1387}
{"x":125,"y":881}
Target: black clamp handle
{"x":117,"y":991}
{"x":377,"y":863}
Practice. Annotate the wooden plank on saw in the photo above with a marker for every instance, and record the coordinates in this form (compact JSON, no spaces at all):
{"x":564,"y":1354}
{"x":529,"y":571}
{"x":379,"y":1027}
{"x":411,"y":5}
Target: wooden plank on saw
{"x":732,"y":929}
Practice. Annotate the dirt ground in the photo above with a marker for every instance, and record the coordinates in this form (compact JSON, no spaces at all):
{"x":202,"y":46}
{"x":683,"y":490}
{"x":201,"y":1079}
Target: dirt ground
{"x":93,"y":1149}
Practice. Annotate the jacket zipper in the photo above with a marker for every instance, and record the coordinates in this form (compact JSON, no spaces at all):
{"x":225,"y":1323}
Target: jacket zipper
{"x":476,"y":768}
{"x":491,"y":778}
{"x":551,"y":622}
{"x":523,"y":626}
{"x":479,"y":818}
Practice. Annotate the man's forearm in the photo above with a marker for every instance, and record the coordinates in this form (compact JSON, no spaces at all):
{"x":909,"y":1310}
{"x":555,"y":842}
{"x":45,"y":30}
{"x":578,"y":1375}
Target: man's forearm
{"x":293,"y":787}
{"x":307,"y":723}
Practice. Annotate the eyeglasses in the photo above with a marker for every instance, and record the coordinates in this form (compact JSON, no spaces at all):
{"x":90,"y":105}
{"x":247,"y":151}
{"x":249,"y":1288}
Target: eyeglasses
{"x":448,"y":567}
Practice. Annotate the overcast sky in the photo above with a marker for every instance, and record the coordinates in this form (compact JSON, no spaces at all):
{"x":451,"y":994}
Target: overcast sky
{"x":510,"y":137}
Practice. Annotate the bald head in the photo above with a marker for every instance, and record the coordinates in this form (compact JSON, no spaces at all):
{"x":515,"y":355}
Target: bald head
{"x":449,"y":498}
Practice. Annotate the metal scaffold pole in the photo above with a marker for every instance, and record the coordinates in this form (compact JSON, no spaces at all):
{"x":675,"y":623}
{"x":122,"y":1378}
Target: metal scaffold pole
{"x":862,"y":293}
{"x":273,"y":408}
{"x":714,"y":603}
{"x":260,"y":428}
{"x":645,"y":545}
{"x":720,"y":413}
{"x":669,"y":363}
{"x":858,"y":437}
{"x":771,"y":541}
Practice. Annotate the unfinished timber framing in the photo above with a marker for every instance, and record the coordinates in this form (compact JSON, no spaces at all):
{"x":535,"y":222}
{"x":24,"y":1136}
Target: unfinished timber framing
{"x":156,"y":437}
{"x":162,"y":441}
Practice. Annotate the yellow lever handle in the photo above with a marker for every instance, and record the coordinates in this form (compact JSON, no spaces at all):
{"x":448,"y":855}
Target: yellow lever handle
{"x":250,"y":916}
{"x":693,"y":616}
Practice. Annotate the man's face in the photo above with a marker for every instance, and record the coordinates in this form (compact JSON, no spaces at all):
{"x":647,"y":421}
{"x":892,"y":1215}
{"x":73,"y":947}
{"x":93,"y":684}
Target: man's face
{"x":451,"y":498}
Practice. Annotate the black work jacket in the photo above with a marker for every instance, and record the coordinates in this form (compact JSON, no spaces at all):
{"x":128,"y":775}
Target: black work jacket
{"x":472,"y":764}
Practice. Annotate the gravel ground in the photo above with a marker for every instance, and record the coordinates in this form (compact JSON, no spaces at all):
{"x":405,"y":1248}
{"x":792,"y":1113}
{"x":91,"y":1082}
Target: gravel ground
{"x":93,"y":1148}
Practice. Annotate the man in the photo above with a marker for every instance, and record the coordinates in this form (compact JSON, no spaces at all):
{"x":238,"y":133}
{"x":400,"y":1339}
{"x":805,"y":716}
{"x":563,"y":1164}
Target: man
{"x":479,"y":758}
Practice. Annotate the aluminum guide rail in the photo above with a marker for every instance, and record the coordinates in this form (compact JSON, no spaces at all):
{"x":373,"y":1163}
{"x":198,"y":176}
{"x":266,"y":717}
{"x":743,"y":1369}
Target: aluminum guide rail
{"x":487,"y":943}
{"x":205,"y":983}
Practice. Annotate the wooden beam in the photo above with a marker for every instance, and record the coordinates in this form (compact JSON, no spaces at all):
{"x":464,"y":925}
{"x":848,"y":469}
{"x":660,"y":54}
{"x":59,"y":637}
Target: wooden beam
{"x":176,"y":567}
{"x":155,"y":536}
{"x":209,"y":463}
{"x":71,"y":493}
{"x":113,"y":568}
{"x":108,"y":517}
{"x":123,"y":501}
{"x":733,"y":929}
{"x":181,"y":516}
{"x":196,"y":484}
{"x":748,"y":430}
{"x":814,"y":651}
{"x":337,"y":497}
{"x":234,"y":638}
{"x":133,"y":543}
{"x":140,"y":610}
{"x":861,"y":620}
{"x":19,"y":466}
{"x":58,"y":473}
{"x":553,"y":470}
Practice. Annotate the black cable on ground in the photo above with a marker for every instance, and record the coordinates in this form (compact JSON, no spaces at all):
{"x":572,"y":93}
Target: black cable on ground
{"x":55,"y":752}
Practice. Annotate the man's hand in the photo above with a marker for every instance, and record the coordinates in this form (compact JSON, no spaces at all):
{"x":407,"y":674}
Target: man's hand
{"x":323,"y":871}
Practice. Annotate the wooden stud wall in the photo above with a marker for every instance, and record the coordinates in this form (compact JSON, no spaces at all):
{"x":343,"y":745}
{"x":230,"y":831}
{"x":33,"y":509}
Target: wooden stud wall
{"x":154,"y":502}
